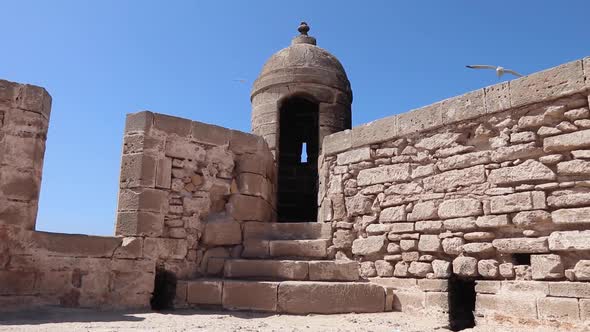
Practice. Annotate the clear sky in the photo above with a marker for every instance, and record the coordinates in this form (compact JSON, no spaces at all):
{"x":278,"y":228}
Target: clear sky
{"x":102,"y":59}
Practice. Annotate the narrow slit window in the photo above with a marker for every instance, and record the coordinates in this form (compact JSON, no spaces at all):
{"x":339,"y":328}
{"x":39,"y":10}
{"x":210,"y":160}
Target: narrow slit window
{"x":304,"y":152}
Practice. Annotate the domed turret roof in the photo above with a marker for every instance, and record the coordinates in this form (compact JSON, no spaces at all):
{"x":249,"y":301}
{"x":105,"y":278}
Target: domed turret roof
{"x":302,"y":62}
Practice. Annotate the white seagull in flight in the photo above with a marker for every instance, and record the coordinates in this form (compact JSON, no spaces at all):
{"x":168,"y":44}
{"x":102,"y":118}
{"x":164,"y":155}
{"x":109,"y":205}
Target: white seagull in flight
{"x":499,"y":70}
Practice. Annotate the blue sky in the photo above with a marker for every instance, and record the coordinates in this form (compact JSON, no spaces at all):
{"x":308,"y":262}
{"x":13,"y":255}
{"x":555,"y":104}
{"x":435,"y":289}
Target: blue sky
{"x":100,"y":60}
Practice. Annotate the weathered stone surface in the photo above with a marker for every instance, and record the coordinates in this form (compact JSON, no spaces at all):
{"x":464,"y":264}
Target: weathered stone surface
{"x":250,"y":295}
{"x":243,"y":207}
{"x":527,"y":219}
{"x":438,"y":141}
{"x":330,"y":297}
{"x":275,"y":269}
{"x":429,"y":243}
{"x":358,"y":205}
{"x":337,"y":142}
{"x":333,"y":271}
{"x":520,"y":151}
{"x":420,"y":269}
{"x":408,"y":245}
{"x":442,"y":269}
{"x":455,"y":178}
{"x":465,"y":266}
{"x":567,"y":142}
{"x":464,"y":160}
{"x":393,"y":214}
{"x":479,"y":236}
{"x":207,"y":292}
{"x":582,"y":270}
{"x":478,"y":248}
{"x":570,"y":289}
{"x":222,"y":230}
{"x":573,"y":167}
{"x":354,"y":156}
{"x":558,"y":309}
{"x":423,"y":211}
{"x":517,"y":202}
{"x":369,"y":246}
{"x":368,"y":270}
{"x":299,"y":248}
{"x":343,"y":238}
{"x":383,"y":268}
{"x":571,"y":216}
{"x":492,"y":221}
{"x":402,"y":227}
{"x":528,"y":171}
{"x":488,"y":268}
{"x":453,"y":245}
{"x":462,"y":207}
{"x":287,"y":231}
{"x":577,"y":113}
{"x":569,"y":240}
{"x":160,"y":248}
{"x":507,"y":305}
{"x":378,"y":229}
{"x":389,"y":173}
{"x":547,"y":267}
{"x":507,"y":270}
{"x":429,"y":226}
{"x":521,"y":245}
{"x":460,"y":224}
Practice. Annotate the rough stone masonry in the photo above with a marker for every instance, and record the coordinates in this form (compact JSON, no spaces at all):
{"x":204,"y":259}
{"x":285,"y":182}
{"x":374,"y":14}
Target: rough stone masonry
{"x":492,"y":186}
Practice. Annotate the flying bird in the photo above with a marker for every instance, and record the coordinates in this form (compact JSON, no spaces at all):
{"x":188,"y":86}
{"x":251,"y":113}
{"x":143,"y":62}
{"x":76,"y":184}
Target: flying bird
{"x":499,"y":70}
{"x":240,"y":80}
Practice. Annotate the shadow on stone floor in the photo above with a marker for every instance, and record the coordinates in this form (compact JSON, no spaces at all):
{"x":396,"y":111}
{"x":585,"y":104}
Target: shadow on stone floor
{"x":74,"y":315}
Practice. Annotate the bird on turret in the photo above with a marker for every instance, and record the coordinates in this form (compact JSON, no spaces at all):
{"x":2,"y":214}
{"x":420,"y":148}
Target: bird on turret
{"x":499,"y":70}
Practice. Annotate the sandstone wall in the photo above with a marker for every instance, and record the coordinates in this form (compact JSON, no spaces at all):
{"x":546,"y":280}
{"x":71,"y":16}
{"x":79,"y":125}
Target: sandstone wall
{"x":187,"y":188}
{"x":24,"y":119}
{"x":493,"y":184}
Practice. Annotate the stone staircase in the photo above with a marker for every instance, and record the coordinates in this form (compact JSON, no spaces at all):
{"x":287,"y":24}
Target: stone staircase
{"x":285,"y":268}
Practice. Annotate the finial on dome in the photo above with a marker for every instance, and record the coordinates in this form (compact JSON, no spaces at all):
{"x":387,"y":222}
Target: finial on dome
{"x":303,"y":38}
{"x":303,"y":28}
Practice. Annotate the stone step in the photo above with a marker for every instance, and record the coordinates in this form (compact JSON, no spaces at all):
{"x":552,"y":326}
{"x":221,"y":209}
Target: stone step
{"x":287,"y":231}
{"x":291,"y":270}
{"x":257,"y":248}
{"x":293,"y":297}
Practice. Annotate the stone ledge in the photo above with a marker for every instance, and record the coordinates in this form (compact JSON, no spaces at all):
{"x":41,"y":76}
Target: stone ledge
{"x":560,"y":81}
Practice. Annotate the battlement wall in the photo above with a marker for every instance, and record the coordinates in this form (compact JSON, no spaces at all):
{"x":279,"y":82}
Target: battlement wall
{"x":490,"y":185}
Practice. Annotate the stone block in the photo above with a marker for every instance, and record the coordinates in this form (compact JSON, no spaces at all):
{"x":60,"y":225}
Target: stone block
{"x":558,"y":309}
{"x":249,"y":208}
{"x":567,"y":142}
{"x":433,"y":285}
{"x":163,"y":178}
{"x":143,"y":199}
{"x":161,"y":248}
{"x":429,"y":226}
{"x":222,"y":230}
{"x":570,"y":289}
{"x":462,"y":207}
{"x":20,"y":185}
{"x":519,"y":151}
{"x":255,"y":248}
{"x":529,"y":171}
{"x":138,"y":170}
{"x":139,"y":223}
{"x":492,"y":221}
{"x":582,"y":270}
{"x":569,"y":241}
{"x":453,"y":245}
{"x":354,"y":156}
{"x":423,"y":211}
{"x":369,"y":246}
{"x":488,"y":286}
{"x":488,"y":268}
{"x":274,"y":269}
{"x":393,"y":214}
{"x":287,"y":231}
{"x":383,"y":268}
{"x":241,"y":142}
{"x":204,"y":292}
{"x":438,"y":301}
{"x":172,"y":125}
{"x":334,"y":271}
{"x":409,"y":301}
{"x":584,"y":309}
{"x":478,"y":248}
{"x":209,"y":134}
{"x":299,"y":248}
{"x":374,"y":132}
{"x":429,"y":243}
{"x":465,"y":266}
{"x":547,"y":267}
{"x":402,"y":227}
{"x":548,"y":84}
{"x":419,"y":120}
{"x":574,"y":167}
{"x":466,"y":224}
{"x":58,"y":244}
{"x":250,"y":295}
{"x":388,"y":173}
{"x":488,"y":305}
{"x":17,"y":282}
{"x":131,"y":248}
{"x":522,"y":201}
{"x":337,"y":142}
{"x":464,"y":160}
{"x":140,"y":121}
{"x":455,"y":178}
{"x":571,"y":216}
{"x":330,"y":297}
{"x":531,"y":219}
{"x":522,"y":245}
{"x":358,"y":205}
{"x":420,"y":269}
{"x":506,"y":270}
{"x":442,"y":269}
{"x":438,"y":141}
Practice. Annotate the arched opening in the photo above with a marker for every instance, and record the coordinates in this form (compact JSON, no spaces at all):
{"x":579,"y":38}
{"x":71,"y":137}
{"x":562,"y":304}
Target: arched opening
{"x":298,"y":158}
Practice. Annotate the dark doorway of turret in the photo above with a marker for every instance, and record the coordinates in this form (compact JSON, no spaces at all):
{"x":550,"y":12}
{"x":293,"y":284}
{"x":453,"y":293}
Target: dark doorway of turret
{"x":298,"y":158}
{"x":461,"y":303}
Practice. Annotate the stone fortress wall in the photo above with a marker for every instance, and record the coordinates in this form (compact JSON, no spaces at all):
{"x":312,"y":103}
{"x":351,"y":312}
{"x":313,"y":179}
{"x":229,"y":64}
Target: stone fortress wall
{"x":491,"y":185}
